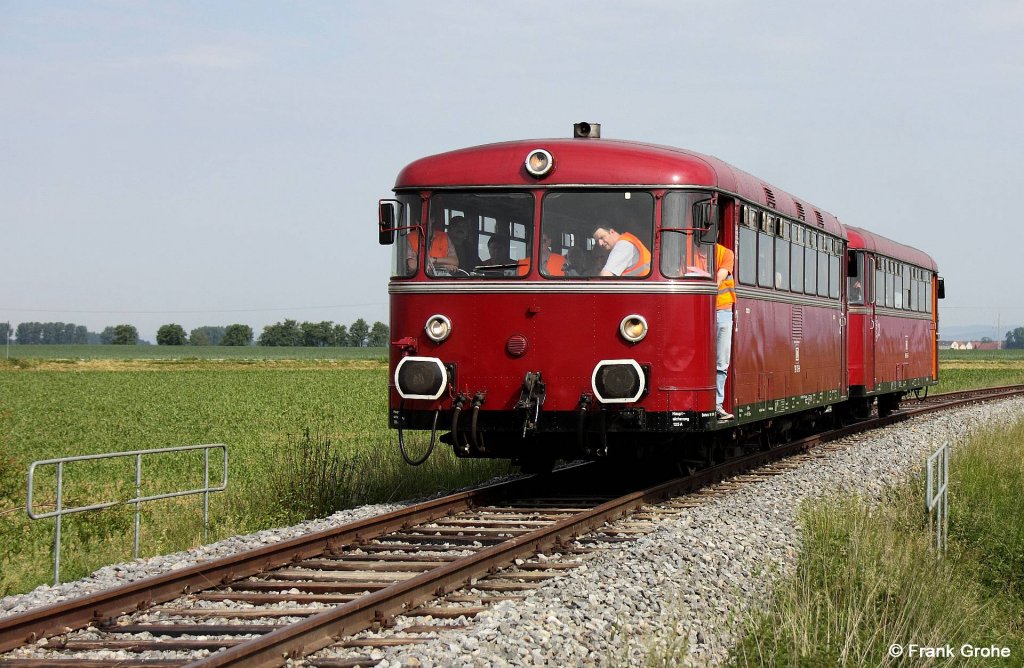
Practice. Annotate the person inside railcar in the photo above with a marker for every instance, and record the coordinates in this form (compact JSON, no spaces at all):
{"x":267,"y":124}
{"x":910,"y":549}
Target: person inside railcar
{"x":552,"y":263}
{"x":442,"y":257}
{"x":500,"y":261}
{"x":465,"y":242}
{"x":627,"y":255}
{"x":856,"y":293}
{"x":724,"y":267}
{"x":577,"y":262}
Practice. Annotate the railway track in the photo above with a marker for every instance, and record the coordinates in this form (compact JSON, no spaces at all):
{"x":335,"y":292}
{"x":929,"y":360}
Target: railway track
{"x":457,"y":554}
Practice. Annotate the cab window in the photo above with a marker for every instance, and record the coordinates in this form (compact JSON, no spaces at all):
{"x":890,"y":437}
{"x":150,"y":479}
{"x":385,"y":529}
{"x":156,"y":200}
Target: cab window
{"x":600,"y":233}
{"x":479,"y":235}
{"x":684,"y":215}
{"x":404,"y":256}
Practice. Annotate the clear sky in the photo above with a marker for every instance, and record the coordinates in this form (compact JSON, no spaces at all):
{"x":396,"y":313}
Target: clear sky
{"x":211,"y":163}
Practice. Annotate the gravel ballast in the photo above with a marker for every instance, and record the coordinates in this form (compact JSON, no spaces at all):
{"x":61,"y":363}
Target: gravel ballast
{"x":698,"y":572}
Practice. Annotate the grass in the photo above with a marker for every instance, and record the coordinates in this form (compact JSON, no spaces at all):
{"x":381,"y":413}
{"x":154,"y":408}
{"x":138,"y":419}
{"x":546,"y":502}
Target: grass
{"x":283,"y":422}
{"x":867,"y":576}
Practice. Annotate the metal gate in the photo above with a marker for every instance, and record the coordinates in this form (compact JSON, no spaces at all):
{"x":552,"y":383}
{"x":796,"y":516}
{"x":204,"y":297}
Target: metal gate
{"x":61,"y":511}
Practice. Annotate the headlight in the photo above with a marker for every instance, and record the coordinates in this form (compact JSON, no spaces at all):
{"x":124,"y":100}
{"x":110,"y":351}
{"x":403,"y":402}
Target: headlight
{"x":421,"y":378}
{"x":438,"y":328}
{"x":539,"y":162}
{"x":633,"y":328}
{"x":618,"y":381}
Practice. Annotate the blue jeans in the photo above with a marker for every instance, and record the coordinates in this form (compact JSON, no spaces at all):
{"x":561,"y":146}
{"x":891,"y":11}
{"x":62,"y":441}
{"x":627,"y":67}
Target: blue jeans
{"x":723,"y":351}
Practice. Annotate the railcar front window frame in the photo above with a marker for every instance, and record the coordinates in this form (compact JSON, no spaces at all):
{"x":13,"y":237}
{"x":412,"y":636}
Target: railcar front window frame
{"x":404,"y":258}
{"x":491,"y":234}
{"x":572,"y":217}
{"x":683,"y":253}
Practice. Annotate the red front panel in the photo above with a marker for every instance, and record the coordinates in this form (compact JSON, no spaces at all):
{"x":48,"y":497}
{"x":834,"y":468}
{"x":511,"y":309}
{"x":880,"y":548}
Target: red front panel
{"x":567,"y":335}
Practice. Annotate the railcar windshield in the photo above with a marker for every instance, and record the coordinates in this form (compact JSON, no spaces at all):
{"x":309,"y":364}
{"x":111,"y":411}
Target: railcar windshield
{"x":597,"y":233}
{"x":478,"y":235}
{"x":683,"y":253}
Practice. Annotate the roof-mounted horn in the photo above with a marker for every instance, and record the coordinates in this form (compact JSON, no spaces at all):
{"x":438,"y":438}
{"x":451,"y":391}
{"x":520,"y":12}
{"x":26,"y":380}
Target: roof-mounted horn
{"x":586,"y":130}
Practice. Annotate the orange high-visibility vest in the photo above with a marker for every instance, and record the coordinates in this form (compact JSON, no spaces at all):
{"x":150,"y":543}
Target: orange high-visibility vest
{"x":727,"y":290}
{"x":643,"y":265}
{"x":555,"y":265}
{"x":438,"y":244}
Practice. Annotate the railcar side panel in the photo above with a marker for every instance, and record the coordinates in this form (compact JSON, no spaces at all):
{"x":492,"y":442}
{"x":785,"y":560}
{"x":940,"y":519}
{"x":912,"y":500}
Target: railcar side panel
{"x":784,"y":357}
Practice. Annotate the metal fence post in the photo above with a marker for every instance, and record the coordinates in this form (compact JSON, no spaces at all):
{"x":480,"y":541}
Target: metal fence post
{"x":138,"y":504}
{"x":206,"y":495}
{"x":936,"y":501}
{"x":60,"y":513}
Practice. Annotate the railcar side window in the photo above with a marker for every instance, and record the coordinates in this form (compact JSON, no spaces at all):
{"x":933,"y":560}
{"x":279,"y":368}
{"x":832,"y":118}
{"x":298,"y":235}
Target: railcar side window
{"x":682,"y":252}
{"x":855,"y":279}
{"x":796,"y":283}
{"x":889,"y":301}
{"x":404,"y":255}
{"x":822,"y":268}
{"x":908,"y":301}
{"x":612,"y":232}
{"x":879,"y":282}
{"x":479,"y":235}
{"x":811,"y":268}
{"x":765,"y":260}
{"x":746,"y":251}
{"x":782,"y":263}
{"x":833,"y":276}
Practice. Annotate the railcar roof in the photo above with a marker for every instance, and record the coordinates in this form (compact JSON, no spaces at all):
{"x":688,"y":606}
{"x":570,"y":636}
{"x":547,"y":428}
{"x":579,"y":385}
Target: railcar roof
{"x":863,"y":239}
{"x":602,"y":162}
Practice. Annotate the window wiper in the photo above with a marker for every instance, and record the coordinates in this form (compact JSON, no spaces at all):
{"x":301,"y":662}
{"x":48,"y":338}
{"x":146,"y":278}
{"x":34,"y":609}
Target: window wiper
{"x":489,"y":267}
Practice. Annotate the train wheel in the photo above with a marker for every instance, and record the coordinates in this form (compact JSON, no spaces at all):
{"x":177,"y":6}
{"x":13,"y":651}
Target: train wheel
{"x":887,"y":404}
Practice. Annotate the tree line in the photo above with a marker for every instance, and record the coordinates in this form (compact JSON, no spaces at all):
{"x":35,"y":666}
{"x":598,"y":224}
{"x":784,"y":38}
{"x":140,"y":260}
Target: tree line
{"x":286,"y":333}
{"x":325,"y":334}
{"x":48,"y":333}
{"x":1015,"y":338}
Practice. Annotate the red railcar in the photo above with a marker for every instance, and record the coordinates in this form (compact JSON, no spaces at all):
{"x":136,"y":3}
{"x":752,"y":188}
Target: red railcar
{"x":507,"y":337}
{"x":893,"y":314}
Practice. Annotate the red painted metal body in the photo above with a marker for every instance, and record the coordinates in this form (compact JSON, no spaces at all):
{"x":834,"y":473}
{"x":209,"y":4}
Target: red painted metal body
{"x":789,"y":348}
{"x":892,"y":347}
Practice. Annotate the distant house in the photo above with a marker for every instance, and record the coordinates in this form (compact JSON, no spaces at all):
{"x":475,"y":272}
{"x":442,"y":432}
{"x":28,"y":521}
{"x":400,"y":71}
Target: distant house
{"x":974,"y":345}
